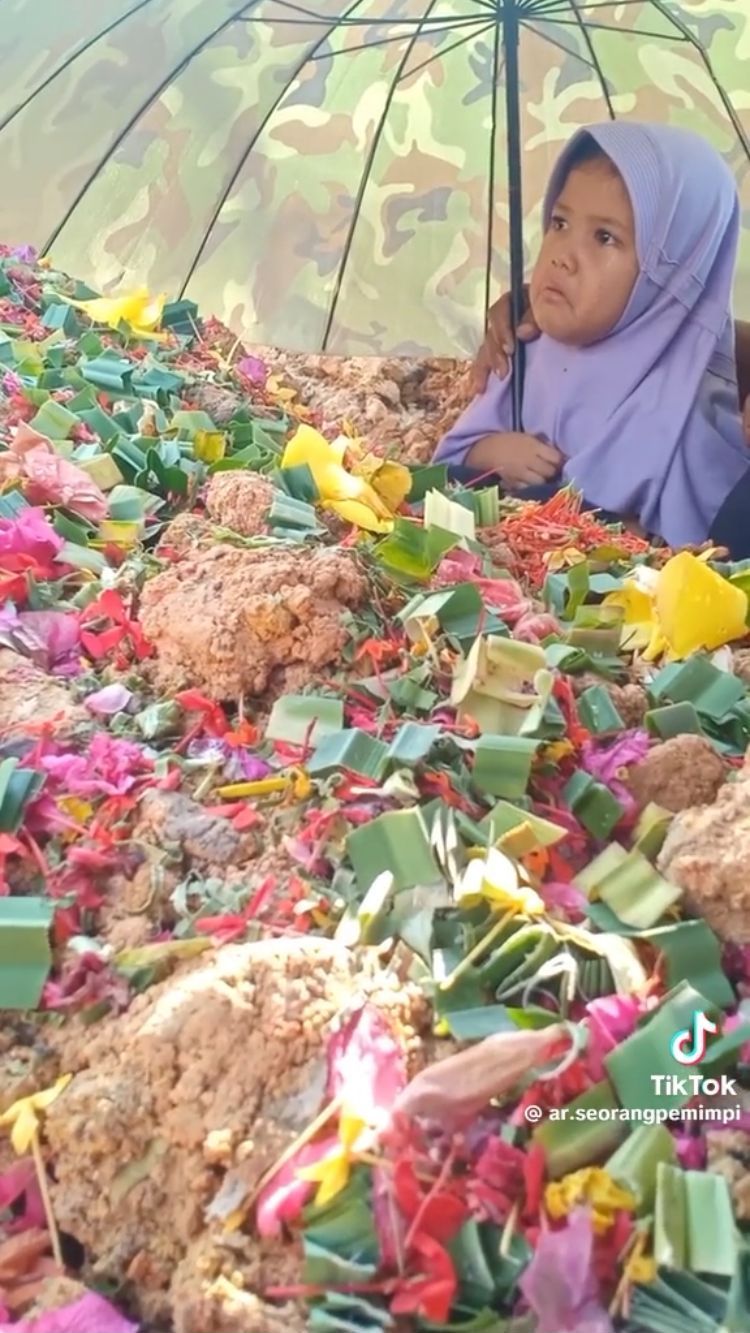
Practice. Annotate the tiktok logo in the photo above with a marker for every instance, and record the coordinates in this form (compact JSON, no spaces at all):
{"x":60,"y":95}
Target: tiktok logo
{"x":689,"y":1046}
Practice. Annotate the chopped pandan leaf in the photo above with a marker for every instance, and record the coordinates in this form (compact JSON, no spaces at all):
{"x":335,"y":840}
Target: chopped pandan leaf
{"x":451,"y":608}
{"x":675,"y":1303}
{"x":54,"y":420}
{"x":694,"y":1225}
{"x":519,"y":955}
{"x":409,"y":695}
{"x":639,"y":1067}
{"x":714,"y":693}
{"x":81,"y":557}
{"x":12,"y":503}
{"x":339,"y":1312}
{"x":518,"y":831}
{"x":298,"y":482}
{"x":737,"y":1316}
{"x":17,"y":786}
{"x":327,"y":1268}
{"x":651,"y":829}
{"x":564,"y":593}
{"x":297,"y":719}
{"x":628,"y":884}
{"x":110,"y":372}
{"x":397,"y":841}
{"x":346,"y":1224}
{"x":359,"y":925}
{"x":634,"y":1164}
{"x":483,"y":1021}
{"x":577,"y":1141}
{"x":25,"y":954}
{"x":502,"y":685}
{"x":181,"y":317}
{"x":476,"y":1281}
{"x":693,"y":953}
{"x":413,"y":551}
{"x":502,"y":765}
{"x":102,"y":469}
{"x":445,"y":514}
{"x":412,"y":744}
{"x":288,"y":513}
{"x":353,"y":750}
{"x":597,"y":712}
{"x":673,"y":720}
{"x":593,"y":804}
{"x":424,"y":479}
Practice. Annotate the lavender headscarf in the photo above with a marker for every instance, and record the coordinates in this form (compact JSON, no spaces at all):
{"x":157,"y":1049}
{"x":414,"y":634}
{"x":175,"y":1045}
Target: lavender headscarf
{"x":648,"y":418}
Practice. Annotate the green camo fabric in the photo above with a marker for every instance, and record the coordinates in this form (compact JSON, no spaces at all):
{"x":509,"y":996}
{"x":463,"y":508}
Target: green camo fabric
{"x":312,"y":193}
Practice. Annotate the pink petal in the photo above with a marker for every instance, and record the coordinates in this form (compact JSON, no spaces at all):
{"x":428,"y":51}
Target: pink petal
{"x":284,"y":1197}
{"x":559,"y":1283}
{"x":90,"y":1314}
{"x":366,"y":1066}
{"x":109,"y":700}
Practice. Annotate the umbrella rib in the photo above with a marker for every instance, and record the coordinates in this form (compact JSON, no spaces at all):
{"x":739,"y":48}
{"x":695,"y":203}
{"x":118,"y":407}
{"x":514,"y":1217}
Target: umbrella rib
{"x":622,"y":32}
{"x":446,"y":50}
{"x":491,"y":172}
{"x":334,"y":23}
{"x":588,"y":39}
{"x":66,"y":64}
{"x":365,"y":178}
{"x":402,"y":37}
{"x":553,"y":41}
{"x":183,"y":64}
{"x":312,"y":18}
{"x":724,"y":97}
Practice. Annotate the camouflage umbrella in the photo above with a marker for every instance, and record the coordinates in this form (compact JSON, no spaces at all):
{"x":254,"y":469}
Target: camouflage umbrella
{"x":334,"y":174}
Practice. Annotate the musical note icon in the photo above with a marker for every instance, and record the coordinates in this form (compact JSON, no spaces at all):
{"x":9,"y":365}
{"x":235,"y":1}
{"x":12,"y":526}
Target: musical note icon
{"x":688,"y":1047}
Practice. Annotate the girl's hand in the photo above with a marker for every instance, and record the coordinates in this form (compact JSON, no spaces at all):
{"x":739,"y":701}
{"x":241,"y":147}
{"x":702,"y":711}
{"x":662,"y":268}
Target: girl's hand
{"x":497,"y":348}
{"x":518,"y":459}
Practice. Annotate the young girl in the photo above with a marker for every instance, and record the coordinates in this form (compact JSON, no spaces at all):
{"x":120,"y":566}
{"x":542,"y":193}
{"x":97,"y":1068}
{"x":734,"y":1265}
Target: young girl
{"x":630,"y":393}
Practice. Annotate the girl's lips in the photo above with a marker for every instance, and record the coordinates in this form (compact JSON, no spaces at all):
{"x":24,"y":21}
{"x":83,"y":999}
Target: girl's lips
{"x":551,"y":293}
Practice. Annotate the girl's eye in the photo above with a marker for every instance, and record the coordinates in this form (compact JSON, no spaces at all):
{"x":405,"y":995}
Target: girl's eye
{"x":556,"y":222}
{"x":606,"y":237}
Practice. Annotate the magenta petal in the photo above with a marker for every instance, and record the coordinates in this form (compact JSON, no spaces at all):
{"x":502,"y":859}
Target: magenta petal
{"x":109,"y":700}
{"x":285,"y":1195}
{"x":559,"y":1283}
{"x":90,"y":1314}
{"x":366,"y":1065}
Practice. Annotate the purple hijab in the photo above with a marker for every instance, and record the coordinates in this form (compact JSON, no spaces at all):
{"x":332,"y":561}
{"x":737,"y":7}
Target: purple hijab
{"x":648,"y":418}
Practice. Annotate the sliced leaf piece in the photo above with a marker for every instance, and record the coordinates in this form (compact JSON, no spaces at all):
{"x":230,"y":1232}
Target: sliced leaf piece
{"x":502,"y":765}
{"x":351,"y":749}
{"x":628,"y":884}
{"x":577,"y":1140}
{"x":593,"y":804}
{"x":25,"y":954}
{"x":397,"y":841}
{"x":634,"y":1164}
{"x":304,"y":718}
{"x":639,"y":1067}
{"x":597,"y":712}
{"x":673,"y":720}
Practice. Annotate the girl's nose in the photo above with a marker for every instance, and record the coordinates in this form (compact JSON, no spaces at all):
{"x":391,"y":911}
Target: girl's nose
{"x":565,"y":260}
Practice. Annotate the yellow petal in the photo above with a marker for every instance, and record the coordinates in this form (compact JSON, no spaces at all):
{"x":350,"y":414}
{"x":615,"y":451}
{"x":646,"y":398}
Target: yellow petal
{"x":697,"y":607}
{"x":141,"y":311}
{"x":392,"y":482}
{"x":357,"y":513}
{"x":25,"y":1128}
{"x":209,"y":445}
{"x":331,"y":1174}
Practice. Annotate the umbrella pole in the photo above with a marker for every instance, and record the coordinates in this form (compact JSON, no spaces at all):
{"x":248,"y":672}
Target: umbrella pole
{"x":515,"y":201}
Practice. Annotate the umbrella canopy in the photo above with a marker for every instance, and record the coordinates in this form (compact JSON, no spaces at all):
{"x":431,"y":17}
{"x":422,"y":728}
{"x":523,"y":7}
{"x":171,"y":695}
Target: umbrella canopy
{"x":332,"y":174}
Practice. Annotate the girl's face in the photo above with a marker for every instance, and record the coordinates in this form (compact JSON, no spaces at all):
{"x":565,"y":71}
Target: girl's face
{"x":587,"y":266}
